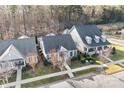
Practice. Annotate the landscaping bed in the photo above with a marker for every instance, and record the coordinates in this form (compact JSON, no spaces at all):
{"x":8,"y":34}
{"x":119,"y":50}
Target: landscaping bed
{"x":83,"y":60}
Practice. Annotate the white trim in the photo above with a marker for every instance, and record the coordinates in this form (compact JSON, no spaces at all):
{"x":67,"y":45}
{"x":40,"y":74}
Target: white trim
{"x":8,"y":51}
{"x":43,"y":49}
{"x":77,"y":39}
{"x":63,"y":49}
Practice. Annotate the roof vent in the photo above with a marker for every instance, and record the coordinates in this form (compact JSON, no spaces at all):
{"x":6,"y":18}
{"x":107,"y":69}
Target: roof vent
{"x":88,"y":39}
{"x":97,"y":38}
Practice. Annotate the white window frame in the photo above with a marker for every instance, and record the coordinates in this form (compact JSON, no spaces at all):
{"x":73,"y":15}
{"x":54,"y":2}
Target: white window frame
{"x":75,"y":53}
{"x":70,"y":53}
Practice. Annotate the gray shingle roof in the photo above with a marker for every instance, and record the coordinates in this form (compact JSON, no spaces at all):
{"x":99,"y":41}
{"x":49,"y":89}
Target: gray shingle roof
{"x":24,"y":46}
{"x":56,"y":42}
{"x":90,"y":30}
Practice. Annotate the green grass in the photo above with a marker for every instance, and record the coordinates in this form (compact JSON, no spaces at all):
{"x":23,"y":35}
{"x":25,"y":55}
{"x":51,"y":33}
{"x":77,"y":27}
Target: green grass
{"x":11,"y":79}
{"x":45,"y":81}
{"x":91,"y":70}
{"x":118,"y":56}
{"x":75,"y":64}
{"x":54,"y":79}
{"x":39,"y":71}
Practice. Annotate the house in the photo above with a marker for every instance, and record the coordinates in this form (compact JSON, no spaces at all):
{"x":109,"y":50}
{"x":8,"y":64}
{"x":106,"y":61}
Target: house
{"x":17,"y":52}
{"x":89,"y":39}
{"x":61,"y":43}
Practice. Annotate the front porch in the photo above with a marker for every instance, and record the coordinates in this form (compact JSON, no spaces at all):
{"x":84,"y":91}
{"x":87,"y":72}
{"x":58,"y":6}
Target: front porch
{"x":100,"y":50}
{"x":11,"y":64}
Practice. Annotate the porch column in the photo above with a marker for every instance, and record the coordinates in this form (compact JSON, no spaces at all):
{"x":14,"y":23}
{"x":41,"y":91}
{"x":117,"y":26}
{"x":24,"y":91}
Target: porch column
{"x":103,"y":48}
{"x":96,"y":49}
{"x":87,"y":50}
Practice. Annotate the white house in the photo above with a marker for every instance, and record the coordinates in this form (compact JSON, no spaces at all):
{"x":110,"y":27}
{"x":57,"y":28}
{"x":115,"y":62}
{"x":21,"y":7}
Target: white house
{"x":61,"y":43}
{"x":14,"y":53}
{"x":89,"y":39}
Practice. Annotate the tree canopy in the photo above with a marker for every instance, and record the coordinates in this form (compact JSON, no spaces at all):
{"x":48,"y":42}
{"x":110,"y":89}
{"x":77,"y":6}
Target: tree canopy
{"x":40,"y":20}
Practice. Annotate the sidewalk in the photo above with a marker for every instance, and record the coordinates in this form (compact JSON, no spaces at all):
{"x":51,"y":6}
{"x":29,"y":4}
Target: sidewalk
{"x":18,"y":78}
{"x":69,"y":70}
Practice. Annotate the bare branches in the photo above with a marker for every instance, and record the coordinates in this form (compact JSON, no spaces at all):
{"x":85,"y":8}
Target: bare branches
{"x":32,"y":60}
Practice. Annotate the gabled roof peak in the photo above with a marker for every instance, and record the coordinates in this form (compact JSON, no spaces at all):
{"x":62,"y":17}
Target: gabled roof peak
{"x":62,"y":49}
{"x":11,"y":53}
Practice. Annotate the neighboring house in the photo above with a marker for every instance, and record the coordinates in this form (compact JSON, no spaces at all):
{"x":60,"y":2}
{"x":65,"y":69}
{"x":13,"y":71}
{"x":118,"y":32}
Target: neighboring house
{"x":89,"y":39}
{"x":61,"y":43}
{"x":16,"y":52}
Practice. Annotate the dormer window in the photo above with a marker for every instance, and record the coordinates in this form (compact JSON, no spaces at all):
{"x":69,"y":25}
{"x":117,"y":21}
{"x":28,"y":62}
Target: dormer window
{"x":88,"y":39}
{"x":97,"y":38}
{"x":103,"y":38}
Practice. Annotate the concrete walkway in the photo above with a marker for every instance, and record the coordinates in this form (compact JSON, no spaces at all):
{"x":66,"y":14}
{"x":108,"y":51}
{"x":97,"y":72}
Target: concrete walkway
{"x":108,"y":59}
{"x":18,"y":78}
{"x":69,"y":70}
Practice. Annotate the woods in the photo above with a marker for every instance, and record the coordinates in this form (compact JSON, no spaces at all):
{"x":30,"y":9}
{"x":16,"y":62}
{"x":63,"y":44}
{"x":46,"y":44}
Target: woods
{"x":40,"y":20}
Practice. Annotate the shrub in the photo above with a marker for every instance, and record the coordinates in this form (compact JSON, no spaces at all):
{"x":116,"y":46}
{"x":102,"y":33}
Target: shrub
{"x":113,"y":50}
{"x":74,"y":58}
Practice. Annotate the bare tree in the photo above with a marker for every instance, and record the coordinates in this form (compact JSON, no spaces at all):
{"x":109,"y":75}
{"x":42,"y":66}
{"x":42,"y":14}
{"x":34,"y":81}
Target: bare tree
{"x":32,"y":60}
{"x":54,"y":58}
{"x":58,"y":58}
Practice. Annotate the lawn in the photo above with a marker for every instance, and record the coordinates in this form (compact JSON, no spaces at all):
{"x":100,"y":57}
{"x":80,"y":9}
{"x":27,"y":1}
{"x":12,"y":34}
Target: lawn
{"x":43,"y":82}
{"x":118,"y":56}
{"x":76,"y":64}
{"x":39,"y":71}
{"x":91,"y":70}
